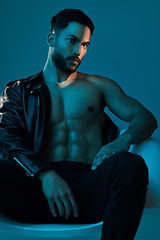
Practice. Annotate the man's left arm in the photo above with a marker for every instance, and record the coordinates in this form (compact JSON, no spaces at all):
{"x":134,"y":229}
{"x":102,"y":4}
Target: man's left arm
{"x":141,"y":121}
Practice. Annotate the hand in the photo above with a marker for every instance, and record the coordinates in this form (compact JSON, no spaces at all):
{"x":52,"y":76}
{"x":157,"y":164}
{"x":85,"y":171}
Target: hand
{"x":58,"y":192}
{"x":120,"y":144}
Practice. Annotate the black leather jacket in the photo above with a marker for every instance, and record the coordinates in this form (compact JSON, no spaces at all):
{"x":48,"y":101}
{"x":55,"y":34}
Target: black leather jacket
{"x":25,"y":107}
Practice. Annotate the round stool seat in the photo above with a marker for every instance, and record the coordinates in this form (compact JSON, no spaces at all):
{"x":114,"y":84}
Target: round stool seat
{"x":49,"y":230}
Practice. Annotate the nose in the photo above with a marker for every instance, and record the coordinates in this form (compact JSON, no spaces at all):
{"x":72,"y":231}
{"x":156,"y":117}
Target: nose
{"x":77,"y":50}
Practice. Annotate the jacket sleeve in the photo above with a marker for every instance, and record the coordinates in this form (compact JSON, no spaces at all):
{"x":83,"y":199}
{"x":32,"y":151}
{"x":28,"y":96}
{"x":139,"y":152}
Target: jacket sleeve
{"x":15,"y":141}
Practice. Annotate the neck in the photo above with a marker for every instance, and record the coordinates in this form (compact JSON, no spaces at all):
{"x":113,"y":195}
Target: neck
{"x":54,"y":75}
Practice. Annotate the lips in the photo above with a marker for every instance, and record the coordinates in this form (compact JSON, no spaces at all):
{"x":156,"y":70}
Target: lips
{"x":74,"y":59}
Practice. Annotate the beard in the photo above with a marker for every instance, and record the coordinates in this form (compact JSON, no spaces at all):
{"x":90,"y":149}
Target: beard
{"x":61,"y":62}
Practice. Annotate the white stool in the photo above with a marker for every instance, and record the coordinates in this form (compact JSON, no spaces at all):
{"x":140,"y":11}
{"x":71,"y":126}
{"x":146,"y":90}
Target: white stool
{"x":149,"y":226}
{"x":12,"y":230}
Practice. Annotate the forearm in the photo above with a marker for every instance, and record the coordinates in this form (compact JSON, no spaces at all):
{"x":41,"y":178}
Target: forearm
{"x":140,"y":128}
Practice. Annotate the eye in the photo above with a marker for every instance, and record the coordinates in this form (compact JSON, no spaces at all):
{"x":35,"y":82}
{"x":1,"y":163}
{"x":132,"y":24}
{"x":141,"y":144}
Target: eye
{"x":85,"y":45}
{"x":71,"y":40}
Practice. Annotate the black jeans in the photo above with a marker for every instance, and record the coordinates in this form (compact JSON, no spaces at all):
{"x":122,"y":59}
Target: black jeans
{"x":115,"y":192}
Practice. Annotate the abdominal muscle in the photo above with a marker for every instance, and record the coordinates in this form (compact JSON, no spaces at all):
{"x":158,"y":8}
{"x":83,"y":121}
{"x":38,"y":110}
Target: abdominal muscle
{"x":75,"y":143}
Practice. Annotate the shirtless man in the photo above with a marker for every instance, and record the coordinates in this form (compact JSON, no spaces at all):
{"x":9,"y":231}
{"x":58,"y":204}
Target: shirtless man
{"x":74,"y":130}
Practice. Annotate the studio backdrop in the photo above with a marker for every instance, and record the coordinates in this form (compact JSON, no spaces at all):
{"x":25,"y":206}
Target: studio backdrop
{"x":124,"y":47}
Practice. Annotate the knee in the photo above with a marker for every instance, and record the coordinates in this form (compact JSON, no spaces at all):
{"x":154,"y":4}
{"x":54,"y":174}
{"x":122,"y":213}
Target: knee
{"x":131,"y":167}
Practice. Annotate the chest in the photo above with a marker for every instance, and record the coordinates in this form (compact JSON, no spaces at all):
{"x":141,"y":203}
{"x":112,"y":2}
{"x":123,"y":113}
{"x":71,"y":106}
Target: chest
{"x":79,"y":101}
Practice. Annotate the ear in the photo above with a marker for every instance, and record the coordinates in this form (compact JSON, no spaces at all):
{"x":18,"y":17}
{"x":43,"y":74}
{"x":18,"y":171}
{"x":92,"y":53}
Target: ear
{"x":51,"y":39}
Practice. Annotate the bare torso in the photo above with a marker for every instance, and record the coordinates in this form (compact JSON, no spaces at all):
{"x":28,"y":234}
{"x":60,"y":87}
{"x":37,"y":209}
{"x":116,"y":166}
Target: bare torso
{"x":75,"y":129}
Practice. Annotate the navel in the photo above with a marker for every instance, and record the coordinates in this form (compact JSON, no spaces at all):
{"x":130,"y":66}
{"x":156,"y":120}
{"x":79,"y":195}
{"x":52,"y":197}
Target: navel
{"x":90,"y":109}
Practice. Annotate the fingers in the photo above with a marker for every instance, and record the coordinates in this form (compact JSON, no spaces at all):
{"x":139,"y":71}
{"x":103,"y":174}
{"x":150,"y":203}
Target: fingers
{"x":65,"y":205}
{"x":67,"y":208}
{"x":52,"y":208}
{"x":74,"y":205}
{"x":97,"y":161}
{"x":60,"y":206}
{"x":59,"y":195}
{"x":69,"y":203}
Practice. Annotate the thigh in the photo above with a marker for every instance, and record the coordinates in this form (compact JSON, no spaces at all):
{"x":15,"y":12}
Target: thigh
{"x":90,"y":189}
{"x":11,"y":173}
{"x":21,"y":197}
{"x":12,"y":186}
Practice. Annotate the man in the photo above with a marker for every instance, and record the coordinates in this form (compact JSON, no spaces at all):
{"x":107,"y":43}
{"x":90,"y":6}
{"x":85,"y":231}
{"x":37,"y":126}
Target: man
{"x":53,"y":127}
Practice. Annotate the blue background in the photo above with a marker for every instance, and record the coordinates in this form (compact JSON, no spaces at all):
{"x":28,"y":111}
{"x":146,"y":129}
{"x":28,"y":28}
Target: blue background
{"x":124,"y":47}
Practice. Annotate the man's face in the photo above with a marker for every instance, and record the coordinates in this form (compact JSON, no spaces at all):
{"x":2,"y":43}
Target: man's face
{"x":71,"y":46}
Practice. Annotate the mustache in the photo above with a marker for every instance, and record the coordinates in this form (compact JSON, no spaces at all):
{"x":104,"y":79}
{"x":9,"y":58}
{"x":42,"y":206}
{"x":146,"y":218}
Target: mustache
{"x":74,"y":58}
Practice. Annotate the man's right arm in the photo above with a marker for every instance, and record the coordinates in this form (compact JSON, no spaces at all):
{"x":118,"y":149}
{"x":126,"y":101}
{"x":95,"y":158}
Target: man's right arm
{"x":15,"y":143}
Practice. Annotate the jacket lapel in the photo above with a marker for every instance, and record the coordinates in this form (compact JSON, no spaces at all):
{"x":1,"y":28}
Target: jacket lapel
{"x":38,"y":89}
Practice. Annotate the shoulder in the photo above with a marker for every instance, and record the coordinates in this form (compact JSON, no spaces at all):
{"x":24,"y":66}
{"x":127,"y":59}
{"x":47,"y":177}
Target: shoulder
{"x":104,"y":83}
{"x":12,"y":92}
{"x":19,"y":84}
{"x":97,"y":79}
{"x":15,"y":89}
{"x":93,"y":78}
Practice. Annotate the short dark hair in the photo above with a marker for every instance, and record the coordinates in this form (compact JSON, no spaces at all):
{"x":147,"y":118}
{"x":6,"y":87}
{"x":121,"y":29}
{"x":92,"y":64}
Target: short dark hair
{"x":62,"y":19}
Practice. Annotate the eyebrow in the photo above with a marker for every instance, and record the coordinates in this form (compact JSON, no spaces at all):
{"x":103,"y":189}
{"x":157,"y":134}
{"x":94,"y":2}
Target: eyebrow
{"x":78,"y":39}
